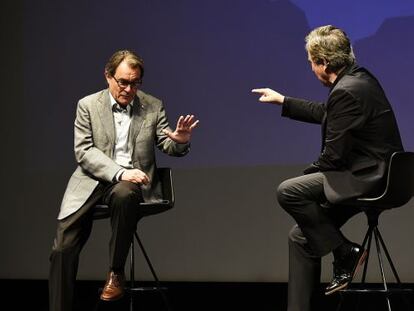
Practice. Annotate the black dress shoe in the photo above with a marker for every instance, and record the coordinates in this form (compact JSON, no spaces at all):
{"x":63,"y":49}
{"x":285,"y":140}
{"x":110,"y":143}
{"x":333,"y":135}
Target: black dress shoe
{"x":345,"y":269}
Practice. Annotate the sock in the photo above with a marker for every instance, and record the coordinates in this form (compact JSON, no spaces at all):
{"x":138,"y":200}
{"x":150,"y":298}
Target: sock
{"x":342,"y":250}
{"x":118,"y":270}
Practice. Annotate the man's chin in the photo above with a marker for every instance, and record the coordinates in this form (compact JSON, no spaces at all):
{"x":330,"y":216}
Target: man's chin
{"x":124,"y":100}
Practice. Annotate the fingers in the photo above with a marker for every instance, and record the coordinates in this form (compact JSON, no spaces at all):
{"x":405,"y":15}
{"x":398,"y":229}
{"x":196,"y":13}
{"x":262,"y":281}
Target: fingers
{"x":145,"y":180}
{"x":264,"y":92}
{"x":269,"y":96}
{"x":187,"y":122}
{"x":194,"y":124}
{"x":264,"y":98}
{"x":136,"y":176}
{"x":260,"y":90}
{"x":142,"y":179}
{"x":180,"y":121}
{"x":182,"y":133}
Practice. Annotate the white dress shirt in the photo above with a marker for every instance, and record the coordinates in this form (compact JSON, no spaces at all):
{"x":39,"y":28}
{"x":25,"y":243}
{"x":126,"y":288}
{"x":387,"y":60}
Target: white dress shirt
{"x":122,"y":121}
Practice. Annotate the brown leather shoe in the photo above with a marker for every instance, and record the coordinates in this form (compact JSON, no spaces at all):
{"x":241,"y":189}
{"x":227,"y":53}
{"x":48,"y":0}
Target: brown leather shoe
{"x":114,"y":287}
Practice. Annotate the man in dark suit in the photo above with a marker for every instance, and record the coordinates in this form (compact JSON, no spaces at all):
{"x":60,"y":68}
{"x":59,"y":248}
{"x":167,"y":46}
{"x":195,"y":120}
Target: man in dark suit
{"x":359,"y":134}
{"x":116,"y":130}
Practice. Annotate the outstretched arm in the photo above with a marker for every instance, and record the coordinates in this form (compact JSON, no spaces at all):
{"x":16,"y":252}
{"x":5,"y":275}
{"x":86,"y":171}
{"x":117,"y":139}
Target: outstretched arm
{"x":182,"y":133}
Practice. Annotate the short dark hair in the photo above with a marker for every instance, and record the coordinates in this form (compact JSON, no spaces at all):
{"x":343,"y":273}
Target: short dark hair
{"x":132,"y":59}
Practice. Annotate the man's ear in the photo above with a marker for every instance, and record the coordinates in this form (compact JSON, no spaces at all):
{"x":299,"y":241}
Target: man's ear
{"x":107,"y":76}
{"x":326,"y":66}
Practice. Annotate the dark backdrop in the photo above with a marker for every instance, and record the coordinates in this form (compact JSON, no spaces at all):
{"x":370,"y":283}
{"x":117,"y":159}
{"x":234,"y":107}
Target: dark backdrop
{"x":201,"y":57}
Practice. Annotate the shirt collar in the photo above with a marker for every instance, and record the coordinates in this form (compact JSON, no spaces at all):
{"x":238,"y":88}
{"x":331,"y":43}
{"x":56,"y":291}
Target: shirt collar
{"x":113,"y":102}
{"x":345,"y":71}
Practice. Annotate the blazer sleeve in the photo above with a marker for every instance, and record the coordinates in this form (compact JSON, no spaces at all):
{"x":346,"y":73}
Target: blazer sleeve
{"x":303,"y":110}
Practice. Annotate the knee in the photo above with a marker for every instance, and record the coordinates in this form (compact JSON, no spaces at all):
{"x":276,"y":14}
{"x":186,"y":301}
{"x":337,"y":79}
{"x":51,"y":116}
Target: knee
{"x":296,"y":235}
{"x":126,"y":191}
{"x":57,"y":246}
{"x":64,"y":247}
{"x":283,"y":194}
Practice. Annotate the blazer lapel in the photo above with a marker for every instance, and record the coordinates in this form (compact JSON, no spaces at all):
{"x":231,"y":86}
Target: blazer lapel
{"x":138,"y":110}
{"x":106,"y":116}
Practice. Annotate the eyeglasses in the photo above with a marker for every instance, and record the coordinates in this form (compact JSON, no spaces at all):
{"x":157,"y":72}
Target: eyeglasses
{"x":123,"y":84}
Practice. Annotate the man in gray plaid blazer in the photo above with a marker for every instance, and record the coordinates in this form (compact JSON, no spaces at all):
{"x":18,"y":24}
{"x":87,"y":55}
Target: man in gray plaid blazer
{"x":115,"y":131}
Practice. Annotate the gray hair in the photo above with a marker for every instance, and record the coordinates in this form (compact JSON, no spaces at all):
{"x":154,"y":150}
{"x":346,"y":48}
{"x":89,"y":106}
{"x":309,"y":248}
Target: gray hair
{"x":330,"y":45}
{"x":131,"y":58}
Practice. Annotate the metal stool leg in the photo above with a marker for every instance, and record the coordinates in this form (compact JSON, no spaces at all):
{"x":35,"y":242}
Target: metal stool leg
{"x":158,"y":285}
{"x":380,"y":262}
{"x":132,"y":275}
{"x":394,"y":271}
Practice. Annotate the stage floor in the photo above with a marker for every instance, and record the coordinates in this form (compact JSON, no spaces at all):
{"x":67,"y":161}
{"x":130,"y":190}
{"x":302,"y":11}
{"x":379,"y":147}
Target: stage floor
{"x":186,"y":296}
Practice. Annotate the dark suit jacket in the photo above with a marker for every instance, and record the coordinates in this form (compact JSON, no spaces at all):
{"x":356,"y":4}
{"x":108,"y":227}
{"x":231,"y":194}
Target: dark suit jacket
{"x":359,"y":134}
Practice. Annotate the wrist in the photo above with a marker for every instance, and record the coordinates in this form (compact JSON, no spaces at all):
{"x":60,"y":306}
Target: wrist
{"x":120,"y":176}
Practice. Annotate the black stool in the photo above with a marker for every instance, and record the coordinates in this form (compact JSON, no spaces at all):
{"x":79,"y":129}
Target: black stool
{"x":151,"y":208}
{"x":398,"y":191}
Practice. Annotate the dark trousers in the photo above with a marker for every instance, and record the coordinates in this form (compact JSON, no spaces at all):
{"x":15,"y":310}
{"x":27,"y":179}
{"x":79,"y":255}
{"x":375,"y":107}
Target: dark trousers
{"x":123,"y":199}
{"x":316,"y":233}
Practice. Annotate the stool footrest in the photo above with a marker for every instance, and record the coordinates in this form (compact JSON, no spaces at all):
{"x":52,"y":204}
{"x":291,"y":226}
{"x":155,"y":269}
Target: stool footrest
{"x":377,"y":290}
{"x":144,"y":288}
